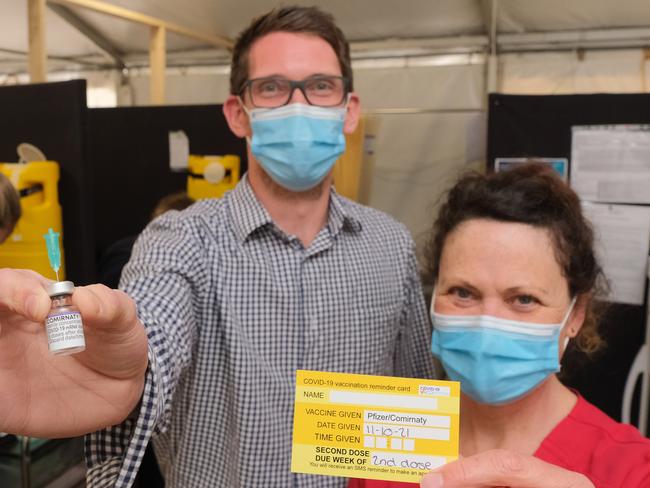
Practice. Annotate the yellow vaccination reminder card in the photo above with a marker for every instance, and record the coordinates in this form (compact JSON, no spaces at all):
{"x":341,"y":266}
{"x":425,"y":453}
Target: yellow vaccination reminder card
{"x":374,"y":427}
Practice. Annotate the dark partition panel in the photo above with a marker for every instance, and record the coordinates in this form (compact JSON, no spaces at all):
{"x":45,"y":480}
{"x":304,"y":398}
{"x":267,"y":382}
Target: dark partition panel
{"x":128,"y":149}
{"x":52,"y":116}
{"x":534,"y":125}
{"x":540,"y":126}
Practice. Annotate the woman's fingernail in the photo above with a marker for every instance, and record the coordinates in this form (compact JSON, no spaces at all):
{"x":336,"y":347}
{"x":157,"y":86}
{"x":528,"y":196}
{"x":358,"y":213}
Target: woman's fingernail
{"x":433,"y":480}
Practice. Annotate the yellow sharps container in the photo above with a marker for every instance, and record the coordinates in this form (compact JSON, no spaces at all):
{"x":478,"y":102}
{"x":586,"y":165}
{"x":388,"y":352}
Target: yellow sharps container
{"x":212,"y":176}
{"x":25,"y":247}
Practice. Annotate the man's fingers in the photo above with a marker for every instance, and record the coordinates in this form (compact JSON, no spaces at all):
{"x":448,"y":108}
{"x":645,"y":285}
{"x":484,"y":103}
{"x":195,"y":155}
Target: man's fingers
{"x":111,"y":323}
{"x":503,"y":468}
{"x":28,"y":273}
{"x":23,"y":292}
{"x":104,"y":307}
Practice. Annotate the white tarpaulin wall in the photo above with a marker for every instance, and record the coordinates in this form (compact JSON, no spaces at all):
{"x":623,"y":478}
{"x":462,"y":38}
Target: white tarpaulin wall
{"x":417,"y":157}
{"x":419,"y":153}
{"x":612,"y":71}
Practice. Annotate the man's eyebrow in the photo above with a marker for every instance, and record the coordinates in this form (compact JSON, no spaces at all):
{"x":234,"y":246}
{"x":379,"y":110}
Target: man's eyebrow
{"x":314,"y":75}
{"x":268,"y":76}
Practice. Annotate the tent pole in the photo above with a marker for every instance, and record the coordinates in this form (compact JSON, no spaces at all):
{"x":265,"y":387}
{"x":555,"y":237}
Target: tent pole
{"x":157,"y":61}
{"x":492,"y":67}
{"x":37,"y":54}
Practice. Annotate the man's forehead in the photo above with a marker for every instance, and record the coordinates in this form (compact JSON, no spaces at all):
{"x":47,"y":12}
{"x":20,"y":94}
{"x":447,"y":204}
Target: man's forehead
{"x":290,"y":54}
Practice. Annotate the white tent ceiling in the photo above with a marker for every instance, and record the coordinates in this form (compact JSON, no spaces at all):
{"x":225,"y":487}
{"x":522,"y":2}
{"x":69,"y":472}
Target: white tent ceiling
{"x":376,"y":28}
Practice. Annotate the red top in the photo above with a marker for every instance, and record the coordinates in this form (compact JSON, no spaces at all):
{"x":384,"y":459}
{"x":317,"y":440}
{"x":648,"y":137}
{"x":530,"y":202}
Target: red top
{"x":610,"y":454}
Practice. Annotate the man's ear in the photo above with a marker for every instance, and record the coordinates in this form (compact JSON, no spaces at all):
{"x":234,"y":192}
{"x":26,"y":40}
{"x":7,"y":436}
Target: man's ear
{"x":236,"y":117}
{"x":352,"y":116}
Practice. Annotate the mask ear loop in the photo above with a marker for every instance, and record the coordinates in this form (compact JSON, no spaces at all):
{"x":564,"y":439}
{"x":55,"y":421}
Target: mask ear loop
{"x":248,"y":112}
{"x":565,"y":321}
{"x":347,"y":104}
{"x":433,"y":300}
{"x":241,"y":102}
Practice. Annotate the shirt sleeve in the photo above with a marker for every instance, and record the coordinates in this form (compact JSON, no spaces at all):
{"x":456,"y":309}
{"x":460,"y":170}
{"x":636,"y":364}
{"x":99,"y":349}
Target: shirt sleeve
{"x":413,"y":353}
{"x":164,"y":279}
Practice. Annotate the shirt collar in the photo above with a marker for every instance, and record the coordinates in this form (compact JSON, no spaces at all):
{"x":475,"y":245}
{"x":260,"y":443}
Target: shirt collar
{"x":249,"y":214}
{"x":341,"y":215}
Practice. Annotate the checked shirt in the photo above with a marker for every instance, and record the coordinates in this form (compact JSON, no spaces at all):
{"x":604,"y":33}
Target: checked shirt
{"x":233,"y":306}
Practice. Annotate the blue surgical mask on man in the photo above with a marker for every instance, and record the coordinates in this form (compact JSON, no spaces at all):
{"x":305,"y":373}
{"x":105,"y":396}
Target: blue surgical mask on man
{"x":297,"y":144}
{"x":496,"y":360}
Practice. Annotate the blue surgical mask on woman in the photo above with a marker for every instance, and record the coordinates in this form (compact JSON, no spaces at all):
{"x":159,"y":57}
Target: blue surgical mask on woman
{"x":297,"y":144}
{"x":496,"y":360}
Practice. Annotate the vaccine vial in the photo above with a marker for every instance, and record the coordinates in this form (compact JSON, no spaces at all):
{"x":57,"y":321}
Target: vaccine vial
{"x":65,"y":332}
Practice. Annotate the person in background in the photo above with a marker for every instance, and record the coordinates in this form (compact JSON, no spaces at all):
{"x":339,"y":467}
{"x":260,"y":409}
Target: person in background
{"x":113,"y":260}
{"x":10,"y":210}
{"x":515,"y":280}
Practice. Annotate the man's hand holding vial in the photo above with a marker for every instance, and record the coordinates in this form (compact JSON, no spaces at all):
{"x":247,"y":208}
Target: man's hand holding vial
{"x":57,"y":395}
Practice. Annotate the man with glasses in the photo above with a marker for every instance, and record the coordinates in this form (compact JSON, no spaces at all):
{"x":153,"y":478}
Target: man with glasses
{"x":280,"y":274}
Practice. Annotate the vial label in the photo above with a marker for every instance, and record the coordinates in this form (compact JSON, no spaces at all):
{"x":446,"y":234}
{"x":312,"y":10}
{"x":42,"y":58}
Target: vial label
{"x":64,"y":331}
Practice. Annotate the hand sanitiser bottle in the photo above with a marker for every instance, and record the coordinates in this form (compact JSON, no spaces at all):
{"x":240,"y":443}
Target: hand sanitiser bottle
{"x":65,"y":332}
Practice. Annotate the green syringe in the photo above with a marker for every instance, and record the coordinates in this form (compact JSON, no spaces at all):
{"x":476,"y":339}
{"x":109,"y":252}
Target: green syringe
{"x":53,"y":250}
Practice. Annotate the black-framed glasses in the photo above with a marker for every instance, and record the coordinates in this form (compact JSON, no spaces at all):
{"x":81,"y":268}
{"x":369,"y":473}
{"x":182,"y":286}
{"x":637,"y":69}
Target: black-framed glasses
{"x":274,"y":91}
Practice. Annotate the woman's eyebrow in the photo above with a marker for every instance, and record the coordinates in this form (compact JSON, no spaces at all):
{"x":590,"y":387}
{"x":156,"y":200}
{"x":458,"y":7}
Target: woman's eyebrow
{"x":460,"y":282}
{"x":526,"y":288}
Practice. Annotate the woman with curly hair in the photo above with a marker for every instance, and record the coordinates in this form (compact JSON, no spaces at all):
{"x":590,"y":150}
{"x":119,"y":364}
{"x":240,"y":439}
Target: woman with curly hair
{"x":516,"y":280}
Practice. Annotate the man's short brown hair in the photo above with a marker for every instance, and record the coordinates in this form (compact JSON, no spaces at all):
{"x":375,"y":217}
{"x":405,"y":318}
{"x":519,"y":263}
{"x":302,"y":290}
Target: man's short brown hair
{"x":304,"y":20}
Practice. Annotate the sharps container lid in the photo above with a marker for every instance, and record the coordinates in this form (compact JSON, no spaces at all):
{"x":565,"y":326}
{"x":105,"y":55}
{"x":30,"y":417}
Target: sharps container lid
{"x":60,"y":288}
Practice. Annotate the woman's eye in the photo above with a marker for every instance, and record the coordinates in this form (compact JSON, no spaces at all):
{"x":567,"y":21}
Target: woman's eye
{"x":462,"y":293}
{"x":526,"y":299}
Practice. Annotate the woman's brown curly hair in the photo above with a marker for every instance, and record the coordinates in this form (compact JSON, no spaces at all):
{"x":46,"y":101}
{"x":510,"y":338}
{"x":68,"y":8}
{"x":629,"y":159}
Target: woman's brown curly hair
{"x":531,"y":194}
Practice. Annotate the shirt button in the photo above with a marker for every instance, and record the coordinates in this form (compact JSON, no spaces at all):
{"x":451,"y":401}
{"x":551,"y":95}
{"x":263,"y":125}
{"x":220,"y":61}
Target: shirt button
{"x":297,"y":245}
